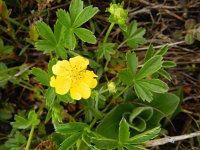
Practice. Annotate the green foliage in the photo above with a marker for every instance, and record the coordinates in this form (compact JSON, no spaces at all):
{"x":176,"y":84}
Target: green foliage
{"x":113,"y":117}
{"x":23,"y":123}
{"x":134,"y":36}
{"x":14,"y":143}
{"x":65,"y":29}
{"x":105,"y":50}
{"x":139,"y":119}
{"x":5,"y":48}
{"x":41,"y":76}
{"x":73,"y":130}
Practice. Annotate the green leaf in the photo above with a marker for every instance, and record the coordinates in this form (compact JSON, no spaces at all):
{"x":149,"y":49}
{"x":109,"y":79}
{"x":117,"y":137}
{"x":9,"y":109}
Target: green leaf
{"x":59,"y":30}
{"x":44,"y":45}
{"x":32,"y":118}
{"x":149,"y":53}
{"x":154,"y":85}
{"x":132,"y":62}
{"x":123,"y":131}
{"x":162,"y":51}
{"x":41,"y":76}
{"x":22,"y":123}
{"x":138,"y":117}
{"x":150,"y":67}
{"x":75,"y":8}
{"x":50,"y":96}
{"x":86,"y":14}
{"x":61,"y":52}
{"x":165,"y":74}
{"x":145,"y":136}
{"x":14,"y":143}
{"x":70,"y":141}
{"x":64,"y":18}
{"x":85,"y":35}
{"x":168,"y":64}
{"x":70,"y":42}
{"x":104,"y":143}
{"x":46,"y":32}
{"x":143,"y":92}
{"x":163,"y":109}
{"x":134,"y":36}
{"x":126,"y":76}
{"x":109,"y":126}
{"x":105,"y":50}
{"x":71,"y":127}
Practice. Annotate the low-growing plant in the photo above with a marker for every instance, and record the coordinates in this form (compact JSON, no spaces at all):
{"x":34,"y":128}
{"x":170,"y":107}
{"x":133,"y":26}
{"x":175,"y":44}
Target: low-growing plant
{"x":122,"y":99}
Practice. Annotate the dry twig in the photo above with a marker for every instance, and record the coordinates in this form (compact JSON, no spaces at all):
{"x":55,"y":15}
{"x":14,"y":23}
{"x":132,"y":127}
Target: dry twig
{"x":171,"y":139}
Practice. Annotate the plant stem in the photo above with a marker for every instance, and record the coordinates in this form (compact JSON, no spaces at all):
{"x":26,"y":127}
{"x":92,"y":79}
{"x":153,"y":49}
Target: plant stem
{"x":30,"y":138}
{"x":122,"y":44}
{"x":108,"y":32}
{"x":118,"y":95}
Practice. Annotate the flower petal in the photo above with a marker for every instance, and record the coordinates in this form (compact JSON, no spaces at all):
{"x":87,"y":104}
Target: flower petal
{"x":74,"y":93}
{"x":80,"y":90}
{"x":78,"y":63}
{"x":52,"y":81}
{"x":89,"y":78}
{"x":62,"y":68}
{"x":61,"y":84}
{"x":84,"y":90}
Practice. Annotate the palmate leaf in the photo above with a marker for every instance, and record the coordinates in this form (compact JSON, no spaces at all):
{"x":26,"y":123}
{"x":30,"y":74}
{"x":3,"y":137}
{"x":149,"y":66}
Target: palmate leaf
{"x":149,"y":53}
{"x":85,"y":35}
{"x":154,"y":85}
{"x":132,"y":62}
{"x":134,"y":35}
{"x":41,"y":76}
{"x":150,"y":67}
{"x":86,"y":14}
{"x":44,"y":45}
{"x":165,"y":74}
{"x":64,"y":18}
{"x":162,"y":51}
{"x":23,"y":123}
{"x":105,"y":50}
{"x":75,"y":8}
{"x":126,"y":76}
{"x":143,"y":92}
{"x":46,"y":32}
{"x":71,"y":41}
{"x":51,"y":41}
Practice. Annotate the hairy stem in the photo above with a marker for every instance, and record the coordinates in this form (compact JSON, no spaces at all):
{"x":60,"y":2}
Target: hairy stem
{"x":30,"y":138}
{"x":108,"y":32}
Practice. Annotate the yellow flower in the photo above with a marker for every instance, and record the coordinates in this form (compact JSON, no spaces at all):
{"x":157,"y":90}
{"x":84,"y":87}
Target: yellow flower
{"x":72,"y":76}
